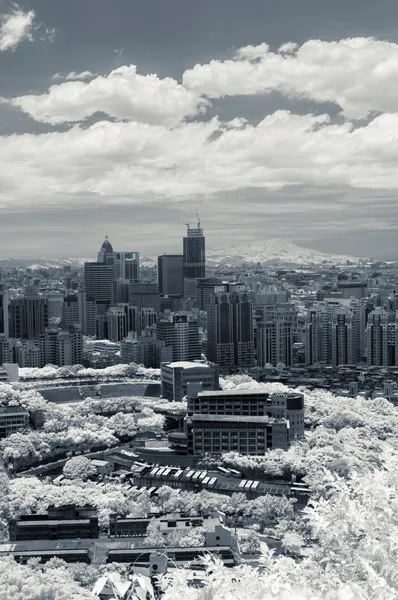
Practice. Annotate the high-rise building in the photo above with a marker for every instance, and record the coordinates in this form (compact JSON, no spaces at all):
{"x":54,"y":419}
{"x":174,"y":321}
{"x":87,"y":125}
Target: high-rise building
{"x":145,"y":295}
{"x":194,"y":262}
{"x":230,"y":330}
{"x":28,"y":317}
{"x":170,"y":274}
{"x":98,"y":280}
{"x":382,"y":338}
{"x":181,"y":333}
{"x":275,"y":334}
{"x":325,"y":340}
{"x":205,"y":289}
{"x":126,"y":265}
{"x":120,"y":291}
{"x":4,"y":325}
{"x":106,"y":249}
{"x":120,"y":320}
{"x":55,"y":302}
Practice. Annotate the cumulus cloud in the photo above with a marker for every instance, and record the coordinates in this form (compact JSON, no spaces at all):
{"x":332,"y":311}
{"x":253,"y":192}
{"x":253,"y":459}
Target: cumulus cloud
{"x":15,"y":27}
{"x":123,"y":94}
{"x":143,"y":162}
{"x":357,"y":74}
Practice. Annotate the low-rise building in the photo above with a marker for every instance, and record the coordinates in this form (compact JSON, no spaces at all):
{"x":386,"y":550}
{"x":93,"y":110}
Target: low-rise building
{"x":12,"y":419}
{"x":176,"y":376}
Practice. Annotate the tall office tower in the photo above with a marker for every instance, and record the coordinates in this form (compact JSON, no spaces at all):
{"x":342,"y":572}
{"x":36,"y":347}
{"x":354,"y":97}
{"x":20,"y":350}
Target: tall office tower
{"x":170,"y":274}
{"x":230,"y":330}
{"x":345,"y":342}
{"x":181,"y":333}
{"x":120,"y":291}
{"x":106,"y":249}
{"x":166,"y":333}
{"x":187,"y":338}
{"x":319,"y":331}
{"x":70,"y":312}
{"x":194,"y":261}
{"x":145,"y":295}
{"x":98,"y":280}
{"x":148,"y":318}
{"x":205,"y":289}
{"x":55,"y":302}
{"x":121,"y":319}
{"x":275,"y":336}
{"x":4,"y":317}
{"x":382,"y":338}
{"x":28,"y":317}
{"x":117,"y":323}
{"x":314,"y":336}
{"x":126,"y":265}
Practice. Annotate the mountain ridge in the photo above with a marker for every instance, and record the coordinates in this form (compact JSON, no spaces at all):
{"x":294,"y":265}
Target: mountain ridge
{"x":273,"y":250}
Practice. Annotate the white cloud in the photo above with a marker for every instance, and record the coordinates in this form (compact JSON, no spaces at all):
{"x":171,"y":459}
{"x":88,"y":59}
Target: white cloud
{"x":15,"y":27}
{"x":358,"y":74}
{"x":140,"y":162}
{"x":123,"y":94}
{"x":73,"y":76}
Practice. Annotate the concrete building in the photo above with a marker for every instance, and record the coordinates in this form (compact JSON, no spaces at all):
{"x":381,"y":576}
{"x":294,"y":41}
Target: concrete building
{"x":120,"y":291}
{"x":27,"y":353}
{"x":55,"y":302}
{"x":145,"y":350}
{"x":9,"y":372}
{"x":175,"y":377}
{"x":12,"y":419}
{"x":275,"y":334}
{"x":28,"y":317}
{"x":181,"y":333}
{"x":230,"y":330}
{"x":4,"y":308}
{"x":382,"y":338}
{"x":145,"y":295}
{"x":126,"y":265}
{"x":67,"y":522}
{"x":98,"y":281}
{"x":194,"y":261}
{"x":170,"y":274}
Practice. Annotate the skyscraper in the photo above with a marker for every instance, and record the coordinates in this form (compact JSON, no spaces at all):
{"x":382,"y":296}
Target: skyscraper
{"x":98,"y":280}
{"x":170,"y":274}
{"x":28,"y":317}
{"x":106,"y":248}
{"x":194,"y":266}
{"x":382,"y":338}
{"x":4,"y":326}
{"x":145,"y":295}
{"x":230,"y":330}
{"x":181,"y":333}
{"x":126,"y":265}
{"x":276,"y":326}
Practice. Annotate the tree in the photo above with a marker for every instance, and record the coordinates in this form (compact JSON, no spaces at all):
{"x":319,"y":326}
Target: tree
{"x":79,"y":467}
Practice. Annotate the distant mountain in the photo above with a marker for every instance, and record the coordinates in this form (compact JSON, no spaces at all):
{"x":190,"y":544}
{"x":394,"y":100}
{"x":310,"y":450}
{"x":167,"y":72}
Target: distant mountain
{"x":40,"y":263}
{"x":277,"y":250}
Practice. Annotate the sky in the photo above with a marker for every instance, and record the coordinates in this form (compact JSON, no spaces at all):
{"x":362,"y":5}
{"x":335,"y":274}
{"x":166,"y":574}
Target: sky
{"x":271,"y":119}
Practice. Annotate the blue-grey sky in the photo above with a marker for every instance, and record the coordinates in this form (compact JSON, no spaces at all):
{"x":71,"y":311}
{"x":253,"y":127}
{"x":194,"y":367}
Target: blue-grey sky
{"x":286,"y":127}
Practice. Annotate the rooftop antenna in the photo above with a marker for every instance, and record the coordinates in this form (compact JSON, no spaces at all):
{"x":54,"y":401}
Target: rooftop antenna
{"x":197,"y":214}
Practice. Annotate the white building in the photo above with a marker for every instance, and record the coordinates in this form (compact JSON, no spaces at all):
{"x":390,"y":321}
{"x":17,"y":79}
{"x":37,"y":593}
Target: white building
{"x":175,"y":376}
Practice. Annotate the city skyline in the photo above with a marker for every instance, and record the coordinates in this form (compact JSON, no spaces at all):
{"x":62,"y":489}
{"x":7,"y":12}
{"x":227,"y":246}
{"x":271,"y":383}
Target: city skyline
{"x":116,"y":128}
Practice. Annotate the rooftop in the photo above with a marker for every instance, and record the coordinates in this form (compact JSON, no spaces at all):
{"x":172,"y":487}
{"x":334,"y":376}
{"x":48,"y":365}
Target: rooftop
{"x":233,"y":393}
{"x":236,"y":418}
{"x":186,"y":364}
